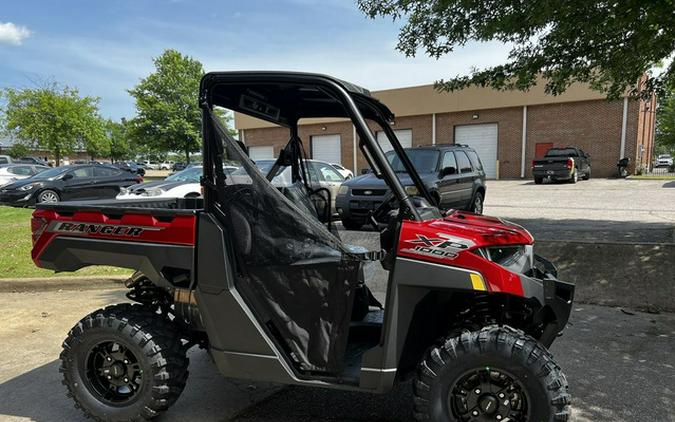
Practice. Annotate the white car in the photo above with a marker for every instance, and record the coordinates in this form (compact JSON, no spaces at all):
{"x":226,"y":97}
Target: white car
{"x":151,"y":165}
{"x":184,"y":184}
{"x":14,"y":172}
{"x":345,"y":172}
{"x":664,"y":160}
{"x":166,"y":165}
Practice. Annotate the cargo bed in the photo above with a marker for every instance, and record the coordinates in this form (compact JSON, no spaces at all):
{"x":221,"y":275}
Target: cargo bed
{"x":156,"y":237}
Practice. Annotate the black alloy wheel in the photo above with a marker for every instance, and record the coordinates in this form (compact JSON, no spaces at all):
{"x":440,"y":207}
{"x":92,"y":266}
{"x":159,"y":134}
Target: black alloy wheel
{"x":488,"y":394}
{"x":124,"y":363}
{"x":113,"y":373}
{"x":495,"y":373}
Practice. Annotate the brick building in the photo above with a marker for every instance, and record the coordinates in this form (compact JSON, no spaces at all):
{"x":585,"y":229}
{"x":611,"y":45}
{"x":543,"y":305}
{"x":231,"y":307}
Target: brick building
{"x":507,"y":128}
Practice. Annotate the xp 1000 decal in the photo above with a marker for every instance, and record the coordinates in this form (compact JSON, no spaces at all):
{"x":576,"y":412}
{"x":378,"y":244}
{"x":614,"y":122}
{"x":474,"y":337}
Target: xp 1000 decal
{"x":441,"y":246}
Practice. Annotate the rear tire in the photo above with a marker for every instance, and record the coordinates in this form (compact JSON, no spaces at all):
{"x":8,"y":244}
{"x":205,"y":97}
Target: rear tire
{"x":350,"y":224}
{"x":538,"y":180}
{"x":493,"y":371}
{"x":575,"y":177}
{"x":123,"y":363}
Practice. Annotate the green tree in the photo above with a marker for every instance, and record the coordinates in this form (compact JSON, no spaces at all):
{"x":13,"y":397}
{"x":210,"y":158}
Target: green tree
{"x":18,"y":150}
{"x":665,"y":123}
{"x":52,"y":117}
{"x":609,"y":45}
{"x":168,"y":116}
{"x":119,"y":145}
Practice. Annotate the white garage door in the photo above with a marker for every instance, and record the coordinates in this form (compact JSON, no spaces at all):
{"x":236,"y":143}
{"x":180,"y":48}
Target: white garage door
{"x":404,"y":138}
{"x":327,"y":148}
{"x":261,"y":153}
{"x":483,"y":139}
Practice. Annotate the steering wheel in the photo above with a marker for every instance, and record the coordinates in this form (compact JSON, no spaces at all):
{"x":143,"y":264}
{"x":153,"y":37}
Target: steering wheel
{"x":379,"y":212}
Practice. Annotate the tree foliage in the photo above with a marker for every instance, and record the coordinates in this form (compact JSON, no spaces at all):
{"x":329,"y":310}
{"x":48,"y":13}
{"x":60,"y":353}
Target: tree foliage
{"x":665,"y":123}
{"x":608,"y":44}
{"x":168,"y":116}
{"x":119,"y":144}
{"x":54,"y":118}
{"x":18,"y":150}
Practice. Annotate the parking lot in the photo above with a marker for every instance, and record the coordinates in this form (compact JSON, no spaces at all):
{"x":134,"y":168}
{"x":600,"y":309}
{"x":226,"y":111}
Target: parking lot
{"x":618,"y":360}
{"x":607,"y":210}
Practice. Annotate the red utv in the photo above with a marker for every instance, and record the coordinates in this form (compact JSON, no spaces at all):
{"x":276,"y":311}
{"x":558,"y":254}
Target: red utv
{"x":259,"y":277}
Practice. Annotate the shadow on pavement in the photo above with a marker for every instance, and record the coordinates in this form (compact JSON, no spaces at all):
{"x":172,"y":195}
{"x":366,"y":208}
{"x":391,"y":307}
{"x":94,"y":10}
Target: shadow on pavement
{"x":669,"y":184}
{"x":38,"y":395}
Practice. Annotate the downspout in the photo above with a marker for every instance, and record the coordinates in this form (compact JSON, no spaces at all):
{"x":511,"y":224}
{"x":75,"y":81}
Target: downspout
{"x":624,"y":122}
{"x":433,"y":129}
{"x":523,"y":148}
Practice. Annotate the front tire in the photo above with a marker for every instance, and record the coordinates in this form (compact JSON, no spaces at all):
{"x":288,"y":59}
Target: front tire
{"x":477,"y":203}
{"x":123,"y":363}
{"x":496,"y":373}
{"x":587,"y":176}
{"x":48,"y":196}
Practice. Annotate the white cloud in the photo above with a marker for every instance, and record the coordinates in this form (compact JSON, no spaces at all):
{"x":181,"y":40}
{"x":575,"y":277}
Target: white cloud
{"x":13,"y":34}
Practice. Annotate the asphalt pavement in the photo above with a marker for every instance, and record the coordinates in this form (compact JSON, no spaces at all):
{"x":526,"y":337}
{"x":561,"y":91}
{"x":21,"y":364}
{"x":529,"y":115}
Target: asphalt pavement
{"x":619,"y":364}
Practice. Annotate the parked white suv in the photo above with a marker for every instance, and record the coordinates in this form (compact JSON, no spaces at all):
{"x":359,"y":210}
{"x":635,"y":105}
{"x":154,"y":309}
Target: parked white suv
{"x":664,"y":160}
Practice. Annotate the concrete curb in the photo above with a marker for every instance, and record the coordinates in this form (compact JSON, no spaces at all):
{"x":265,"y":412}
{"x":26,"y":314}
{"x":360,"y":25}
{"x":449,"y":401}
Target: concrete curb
{"x":61,"y":283}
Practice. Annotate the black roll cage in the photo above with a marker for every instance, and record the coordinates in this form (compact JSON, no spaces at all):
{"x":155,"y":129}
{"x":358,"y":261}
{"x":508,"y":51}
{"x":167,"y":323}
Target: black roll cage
{"x":236,"y":91}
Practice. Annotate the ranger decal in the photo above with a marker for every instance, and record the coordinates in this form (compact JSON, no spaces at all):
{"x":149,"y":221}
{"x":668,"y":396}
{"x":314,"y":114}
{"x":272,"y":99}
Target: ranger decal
{"x":72,"y":227}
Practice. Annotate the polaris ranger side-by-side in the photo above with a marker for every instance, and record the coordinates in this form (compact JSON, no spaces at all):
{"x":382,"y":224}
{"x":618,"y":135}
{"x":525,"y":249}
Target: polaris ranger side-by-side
{"x":258,"y":276}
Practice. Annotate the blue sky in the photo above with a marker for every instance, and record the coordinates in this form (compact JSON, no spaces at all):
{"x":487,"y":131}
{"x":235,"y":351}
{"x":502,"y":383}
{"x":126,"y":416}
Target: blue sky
{"x":105,"y":47}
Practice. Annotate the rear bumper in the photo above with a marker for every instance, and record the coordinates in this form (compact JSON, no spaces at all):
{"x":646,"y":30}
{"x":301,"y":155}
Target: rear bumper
{"x":554,"y":174}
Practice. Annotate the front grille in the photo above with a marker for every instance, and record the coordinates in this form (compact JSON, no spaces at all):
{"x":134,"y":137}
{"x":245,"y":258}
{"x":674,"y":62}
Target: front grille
{"x":369,"y":192}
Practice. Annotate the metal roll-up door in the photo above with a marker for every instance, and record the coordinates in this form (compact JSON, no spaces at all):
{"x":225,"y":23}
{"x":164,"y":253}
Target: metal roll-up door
{"x":261,"y":153}
{"x":327,"y":148}
{"x":404,"y":138}
{"x":483,"y":139}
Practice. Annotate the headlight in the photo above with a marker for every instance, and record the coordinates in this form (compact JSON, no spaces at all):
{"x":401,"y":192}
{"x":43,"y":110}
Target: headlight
{"x":343,"y":190}
{"x":29,"y":187}
{"x":412,"y":190}
{"x":154,"y":192}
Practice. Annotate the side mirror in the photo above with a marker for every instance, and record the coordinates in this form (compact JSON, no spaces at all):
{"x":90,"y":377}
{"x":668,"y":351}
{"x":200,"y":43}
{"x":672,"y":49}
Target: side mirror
{"x":447,"y":171}
{"x":67,"y":176}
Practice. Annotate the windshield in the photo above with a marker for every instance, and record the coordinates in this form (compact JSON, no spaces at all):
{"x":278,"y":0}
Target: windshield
{"x":424,"y":160}
{"x":191,"y":175}
{"x":51,"y":173}
{"x":564,"y":152}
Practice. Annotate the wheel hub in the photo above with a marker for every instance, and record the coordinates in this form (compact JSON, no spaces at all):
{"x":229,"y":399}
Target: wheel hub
{"x":489,"y":404}
{"x":488,"y":394}
{"x":113,"y":373}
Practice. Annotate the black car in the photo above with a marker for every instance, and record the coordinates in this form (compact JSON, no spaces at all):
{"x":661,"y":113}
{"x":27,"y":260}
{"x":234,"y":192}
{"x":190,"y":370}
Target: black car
{"x":178,"y":167}
{"x":453,"y":174}
{"x":67,"y":183}
{"x":131,"y":167}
